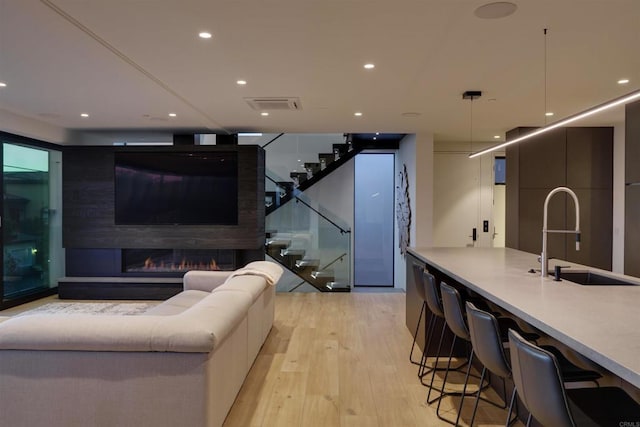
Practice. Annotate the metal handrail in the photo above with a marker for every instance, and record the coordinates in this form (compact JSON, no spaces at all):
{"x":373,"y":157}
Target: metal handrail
{"x":272,"y":140}
{"x":298,"y":199}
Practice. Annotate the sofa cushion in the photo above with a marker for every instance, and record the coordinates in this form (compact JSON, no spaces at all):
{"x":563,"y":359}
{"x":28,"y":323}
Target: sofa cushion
{"x":178,"y":303}
{"x":200,"y":328}
{"x":267,"y":269}
{"x":253,"y":285}
{"x":219,"y":312}
{"x":204,"y":280}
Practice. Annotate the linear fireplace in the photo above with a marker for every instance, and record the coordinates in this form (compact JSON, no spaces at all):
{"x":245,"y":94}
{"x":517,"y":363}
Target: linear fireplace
{"x":163,"y":261}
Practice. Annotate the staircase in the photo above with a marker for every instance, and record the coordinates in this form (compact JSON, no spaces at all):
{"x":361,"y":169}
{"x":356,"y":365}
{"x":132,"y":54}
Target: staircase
{"x":305,"y":238}
{"x":282,"y":191}
{"x":319,"y":255}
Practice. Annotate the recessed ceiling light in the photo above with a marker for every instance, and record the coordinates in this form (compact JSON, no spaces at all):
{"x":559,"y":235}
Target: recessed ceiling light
{"x":369,"y":66}
{"x":357,"y":114}
{"x":623,"y":81}
{"x":241,"y":82}
{"x":172,"y":114}
{"x":548,"y":114}
{"x":3,"y":84}
{"x":496,"y":10}
{"x":377,"y":133}
{"x":204,"y":35}
{"x":84,"y":115}
{"x":496,"y":136}
{"x":264,"y":113}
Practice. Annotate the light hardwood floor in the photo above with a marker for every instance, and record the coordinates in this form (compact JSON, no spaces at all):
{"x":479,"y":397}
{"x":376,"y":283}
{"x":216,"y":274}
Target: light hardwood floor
{"x":341,"y":360}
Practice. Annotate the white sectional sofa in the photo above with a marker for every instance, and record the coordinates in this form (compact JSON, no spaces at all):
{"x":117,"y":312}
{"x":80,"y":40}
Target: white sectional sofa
{"x":182,"y":363}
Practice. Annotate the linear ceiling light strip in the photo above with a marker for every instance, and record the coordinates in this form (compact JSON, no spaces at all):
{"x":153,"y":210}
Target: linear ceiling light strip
{"x":579,"y":116}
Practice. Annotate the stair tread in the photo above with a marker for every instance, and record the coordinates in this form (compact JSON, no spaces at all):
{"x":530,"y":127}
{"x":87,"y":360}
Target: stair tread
{"x":292,"y":251}
{"x":322,"y":274}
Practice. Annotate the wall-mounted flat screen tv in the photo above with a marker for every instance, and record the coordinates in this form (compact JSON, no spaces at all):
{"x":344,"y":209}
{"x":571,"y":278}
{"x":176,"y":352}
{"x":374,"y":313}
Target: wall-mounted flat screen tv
{"x":176,"y":188}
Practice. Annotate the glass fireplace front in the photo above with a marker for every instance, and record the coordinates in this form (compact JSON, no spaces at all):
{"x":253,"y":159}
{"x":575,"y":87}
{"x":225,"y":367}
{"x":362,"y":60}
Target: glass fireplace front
{"x":164,"y":261}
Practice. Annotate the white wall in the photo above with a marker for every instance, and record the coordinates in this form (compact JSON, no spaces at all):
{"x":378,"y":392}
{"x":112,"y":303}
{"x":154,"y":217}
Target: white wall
{"x":416,"y":152}
{"x":617,"y":261}
{"x":463,"y":194}
{"x":31,"y":128}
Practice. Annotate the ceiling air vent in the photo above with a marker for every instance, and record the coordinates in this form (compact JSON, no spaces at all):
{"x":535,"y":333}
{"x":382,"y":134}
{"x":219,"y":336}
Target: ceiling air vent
{"x":275,"y":103}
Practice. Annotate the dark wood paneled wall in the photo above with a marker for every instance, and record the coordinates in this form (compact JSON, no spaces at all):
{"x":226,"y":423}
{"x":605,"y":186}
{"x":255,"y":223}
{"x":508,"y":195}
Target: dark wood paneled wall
{"x":578,"y":158}
{"x":88,"y":205}
{"x":632,"y":190}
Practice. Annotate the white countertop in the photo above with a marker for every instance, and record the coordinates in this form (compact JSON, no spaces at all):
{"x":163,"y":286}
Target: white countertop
{"x":600,"y":322}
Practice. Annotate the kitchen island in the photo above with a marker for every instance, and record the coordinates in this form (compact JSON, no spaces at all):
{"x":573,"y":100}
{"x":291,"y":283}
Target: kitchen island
{"x":600,"y":322}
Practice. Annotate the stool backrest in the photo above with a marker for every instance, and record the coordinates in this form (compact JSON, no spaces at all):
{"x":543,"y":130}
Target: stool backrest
{"x":452,"y":304}
{"x":419,"y":280}
{"x":431,"y":294}
{"x":538,"y":381}
{"x":486,"y":342}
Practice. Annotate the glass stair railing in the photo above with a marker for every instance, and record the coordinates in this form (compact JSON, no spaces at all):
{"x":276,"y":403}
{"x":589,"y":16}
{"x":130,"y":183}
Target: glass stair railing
{"x":309,"y":243}
{"x":312,"y":243}
{"x":302,"y":160}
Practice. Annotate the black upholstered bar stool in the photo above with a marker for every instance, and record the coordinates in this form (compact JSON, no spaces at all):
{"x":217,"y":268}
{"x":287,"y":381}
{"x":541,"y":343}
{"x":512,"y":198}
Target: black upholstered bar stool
{"x":434,"y":303}
{"x":537,"y":377}
{"x":488,"y":346}
{"x":455,"y":319}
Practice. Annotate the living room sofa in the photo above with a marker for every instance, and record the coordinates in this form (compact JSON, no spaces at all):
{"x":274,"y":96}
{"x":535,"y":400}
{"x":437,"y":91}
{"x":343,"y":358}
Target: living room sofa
{"x":182,"y":363}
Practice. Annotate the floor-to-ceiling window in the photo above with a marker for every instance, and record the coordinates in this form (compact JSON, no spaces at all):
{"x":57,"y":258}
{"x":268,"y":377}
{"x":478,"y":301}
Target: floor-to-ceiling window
{"x":374,"y":216}
{"x":32,"y":255}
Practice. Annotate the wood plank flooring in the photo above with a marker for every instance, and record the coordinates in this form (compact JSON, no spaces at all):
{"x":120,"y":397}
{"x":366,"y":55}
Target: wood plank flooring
{"x":341,"y":360}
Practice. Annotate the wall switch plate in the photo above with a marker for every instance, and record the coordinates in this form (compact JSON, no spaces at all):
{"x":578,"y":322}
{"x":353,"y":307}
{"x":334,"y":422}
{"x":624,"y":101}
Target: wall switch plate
{"x":485,"y":226}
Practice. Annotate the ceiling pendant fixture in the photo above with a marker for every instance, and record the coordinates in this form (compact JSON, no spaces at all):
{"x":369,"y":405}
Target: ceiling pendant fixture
{"x":547,"y":113}
{"x":624,"y":99}
{"x":471,"y":95}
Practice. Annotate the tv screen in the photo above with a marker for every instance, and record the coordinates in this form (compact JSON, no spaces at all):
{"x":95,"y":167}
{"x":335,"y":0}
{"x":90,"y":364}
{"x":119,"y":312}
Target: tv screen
{"x":176,"y":188}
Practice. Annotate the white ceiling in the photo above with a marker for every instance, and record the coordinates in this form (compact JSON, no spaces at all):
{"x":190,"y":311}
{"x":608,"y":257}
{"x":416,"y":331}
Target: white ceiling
{"x":128,"y":63}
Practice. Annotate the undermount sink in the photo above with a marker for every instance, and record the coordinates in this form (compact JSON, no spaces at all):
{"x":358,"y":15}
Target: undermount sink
{"x":594,"y":279}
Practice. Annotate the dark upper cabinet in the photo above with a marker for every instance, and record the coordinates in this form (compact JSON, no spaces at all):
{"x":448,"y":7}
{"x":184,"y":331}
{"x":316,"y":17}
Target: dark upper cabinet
{"x":578,"y":158}
{"x":632,"y":143}
{"x":543,"y":159}
{"x":632,"y":231}
{"x":590,"y":157}
{"x":531,"y":218}
{"x":632,"y":192}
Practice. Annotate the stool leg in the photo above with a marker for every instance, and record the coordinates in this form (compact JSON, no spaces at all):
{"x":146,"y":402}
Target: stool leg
{"x":444,"y":381}
{"x":433,"y":372}
{"x":415,"y":334}
{"x":475,"y":407}
{"x":464,"y":389}
{"x":428,"y":338}
{"x":513,"y":398}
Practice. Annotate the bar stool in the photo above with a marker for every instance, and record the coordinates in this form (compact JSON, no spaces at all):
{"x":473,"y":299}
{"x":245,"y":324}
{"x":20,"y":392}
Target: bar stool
{"x":486,"y":339}
{"x":434,"y":303}
{"x":454,"y":317}
{"x":487,"y":343}
{"x":536,"y":375}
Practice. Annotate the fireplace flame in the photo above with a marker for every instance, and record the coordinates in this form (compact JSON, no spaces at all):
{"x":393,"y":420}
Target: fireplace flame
{"x":184,"y":265}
